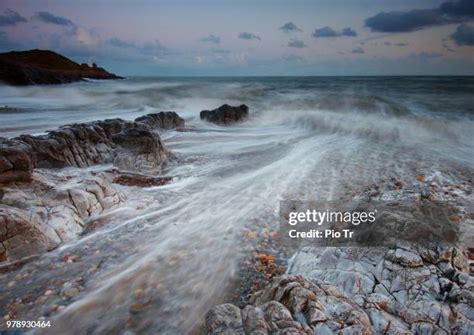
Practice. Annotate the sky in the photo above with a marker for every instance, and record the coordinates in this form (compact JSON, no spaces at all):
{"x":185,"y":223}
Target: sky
{"x":249,"y":37}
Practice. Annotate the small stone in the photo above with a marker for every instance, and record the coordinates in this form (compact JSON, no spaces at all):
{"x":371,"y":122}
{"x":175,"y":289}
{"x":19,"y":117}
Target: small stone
{"x":420,"y":178}
{"x":138,"y":293}
{"x":454,"y":218}
{"x":18,"y":277}
{"x":398,"y":185}
{"x":6,"y":317}
{"x":71,"y":293}
{"x":11,"y":284}
{"x":48,"y":292}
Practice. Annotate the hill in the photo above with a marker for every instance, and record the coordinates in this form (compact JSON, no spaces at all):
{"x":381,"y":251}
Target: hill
{"x":38,"y":67}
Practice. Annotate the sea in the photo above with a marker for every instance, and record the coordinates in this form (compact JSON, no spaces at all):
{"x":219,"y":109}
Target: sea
{"x":306,"y":138}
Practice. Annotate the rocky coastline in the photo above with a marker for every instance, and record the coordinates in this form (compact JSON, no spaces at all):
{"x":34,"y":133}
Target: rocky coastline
{"x":50,"y":193}
{"x":42,"y":206}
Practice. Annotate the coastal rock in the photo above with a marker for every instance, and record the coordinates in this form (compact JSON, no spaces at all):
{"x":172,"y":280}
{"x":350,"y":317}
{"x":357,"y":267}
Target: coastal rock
{"x":332,"y":290}
{"x":35,"y":67}
{"x":164,"y":120}
{"x":402,"y":290}
{"x":225,"y":319}
{"x":225,"y":114}
{"x":41,"y":208}
{"x":295,"y":305}
{"x":15,"y":160}
{"x":23,"y":234}
{"x":131,"y":145}
{"x":45,"y":212}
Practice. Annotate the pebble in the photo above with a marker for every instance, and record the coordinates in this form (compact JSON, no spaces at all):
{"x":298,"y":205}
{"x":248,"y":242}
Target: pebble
{"x":138,"y":293}
{"x":10,"y":284}
{"x":71,"y":293}
{"x":48,"y":292}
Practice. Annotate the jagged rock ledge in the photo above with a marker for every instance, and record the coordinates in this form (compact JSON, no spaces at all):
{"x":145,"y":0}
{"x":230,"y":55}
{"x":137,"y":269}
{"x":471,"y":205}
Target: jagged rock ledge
{"x":360,"y":291}
{"x":129,"y":145}
{"x":39,"y":209}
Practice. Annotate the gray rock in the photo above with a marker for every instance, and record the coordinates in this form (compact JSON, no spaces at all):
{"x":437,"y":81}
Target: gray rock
{"x":133,"y":145}
{"x":225,"y":319}
{"x":164,"y":120}
{"x":225,"y":114}
{"x":38,"y":216}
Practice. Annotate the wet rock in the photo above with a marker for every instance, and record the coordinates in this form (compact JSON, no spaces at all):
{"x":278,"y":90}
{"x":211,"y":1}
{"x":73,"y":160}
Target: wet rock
{"x":295,"y":305}
{"x":23,"y":234}
{"x":130,"y":145}
{"x":403,"y":290}
{"x":41,"y":215}
{"x":164,"y":120}
{"x":140,"y":180}
{"x":405,"y":257}
{"x":225,"y":319}
{"x":225,"y":114}
{"x":16,"y":162}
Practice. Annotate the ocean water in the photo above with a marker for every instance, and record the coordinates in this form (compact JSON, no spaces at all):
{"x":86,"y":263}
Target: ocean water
{"x":307,"y":138}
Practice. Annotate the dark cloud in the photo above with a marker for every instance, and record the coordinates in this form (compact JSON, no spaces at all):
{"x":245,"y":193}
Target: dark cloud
{"x":387,"y":43}
{"x":406,"y":21}
{"x":348,"y":32}
{"x":211,"y":39}
{"x":47,"y":17}
{"x":458,"y":8}
{"x":289,"y":27}
{"x":464,"y":35}
{"x":330,"y":32}
{"x":249,"y":36}
{"x":10,"y":18}
{"x":296,"y":43}
{"x":358,"y":50}
{"x":401,"y":44}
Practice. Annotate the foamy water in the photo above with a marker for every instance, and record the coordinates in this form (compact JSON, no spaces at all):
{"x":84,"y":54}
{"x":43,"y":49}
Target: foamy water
{"x":307,"y":138}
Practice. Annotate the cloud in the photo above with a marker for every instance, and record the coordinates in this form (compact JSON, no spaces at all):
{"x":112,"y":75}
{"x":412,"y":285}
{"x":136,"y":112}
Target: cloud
{"x":47,"y":17}
{"x":401,"y":44}
{"x":358,"y":50}
{"x":330,"y":32}
{"x":292,"y":58}
{"x":211,"y":39}
{"x":416,"y":19}
{"x":296,"y":43}
{"x":249,"y":36}
{"x":119,"y":43}
{"x":10,"y":18}
{"x":154,"y":48}
{"x":348,"y":32}
{"x":459,"y":8}
{"x":464,"y":35}
{"x":290,"y":27}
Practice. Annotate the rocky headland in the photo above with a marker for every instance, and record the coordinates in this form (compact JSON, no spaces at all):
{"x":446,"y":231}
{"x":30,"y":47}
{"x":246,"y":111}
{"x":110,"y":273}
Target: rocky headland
{"x":39,"y":67}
